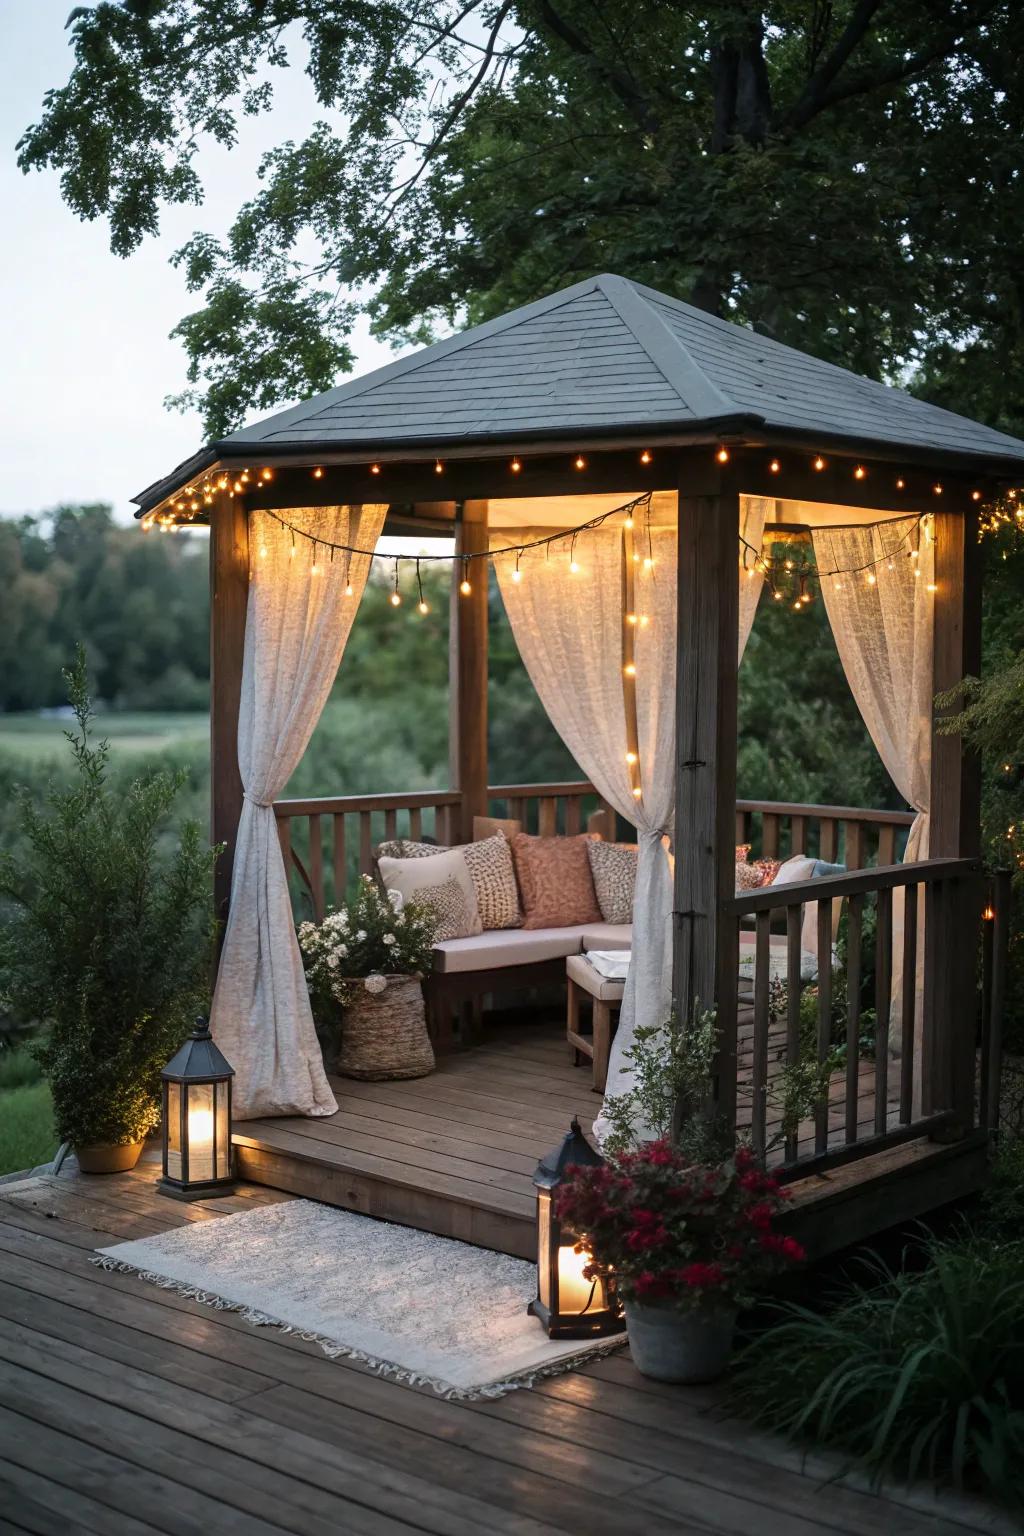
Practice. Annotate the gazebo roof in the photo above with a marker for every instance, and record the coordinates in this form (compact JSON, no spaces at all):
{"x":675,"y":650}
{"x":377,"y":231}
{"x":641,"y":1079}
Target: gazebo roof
{"x":607,"y":357}
{"x":610,"y":353}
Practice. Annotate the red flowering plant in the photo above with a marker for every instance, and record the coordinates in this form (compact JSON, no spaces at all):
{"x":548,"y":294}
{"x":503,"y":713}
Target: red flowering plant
{"x":693,"y":1235}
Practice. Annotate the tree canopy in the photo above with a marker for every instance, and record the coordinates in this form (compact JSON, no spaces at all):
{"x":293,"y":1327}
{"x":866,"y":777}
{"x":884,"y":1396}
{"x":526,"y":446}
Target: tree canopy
{"x":843,"y":174}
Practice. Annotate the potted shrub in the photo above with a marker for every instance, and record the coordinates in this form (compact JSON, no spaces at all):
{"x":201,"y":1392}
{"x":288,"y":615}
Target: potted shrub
{"x":105,"y":942}
{"x":687,"y":1243}
{"x":369,"y":958}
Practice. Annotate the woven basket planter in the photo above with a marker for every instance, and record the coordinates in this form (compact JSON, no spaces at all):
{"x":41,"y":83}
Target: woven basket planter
{"x":384,"y":1034}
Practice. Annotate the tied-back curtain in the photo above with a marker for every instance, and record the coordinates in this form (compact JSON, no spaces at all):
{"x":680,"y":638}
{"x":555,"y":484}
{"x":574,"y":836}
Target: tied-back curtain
{"x":877,"y":584}
{"x":574,"y":632}
{"x":297,"y":623}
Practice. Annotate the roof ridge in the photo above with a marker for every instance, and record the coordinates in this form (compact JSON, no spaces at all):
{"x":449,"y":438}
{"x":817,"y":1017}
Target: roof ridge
{"x":666,"y":351}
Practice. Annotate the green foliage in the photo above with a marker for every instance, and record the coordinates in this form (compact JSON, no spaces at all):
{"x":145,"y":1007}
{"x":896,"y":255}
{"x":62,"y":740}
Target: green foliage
{"x":105,"y":939}
{"x":912,"y":1372}
{"x":27,"y":1137}
{"x":671,"y":1066}
{"x":841,"y":175}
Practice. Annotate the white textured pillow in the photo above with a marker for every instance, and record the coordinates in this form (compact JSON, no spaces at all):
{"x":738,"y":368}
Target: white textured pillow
{"x":491,"y":870}
{"x":796,"y":869}
{"x":613,"y":866}
{"x":416,"y":878}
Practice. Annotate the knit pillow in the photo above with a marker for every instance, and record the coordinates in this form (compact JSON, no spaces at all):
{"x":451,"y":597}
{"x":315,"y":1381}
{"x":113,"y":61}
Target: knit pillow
{"x":613,"y":866}
{"x":555,"y":881}
{"x":416,"y":875}
{"x":449,"y":902}
{"x":748,"y":877}
{"x":490,"y":869}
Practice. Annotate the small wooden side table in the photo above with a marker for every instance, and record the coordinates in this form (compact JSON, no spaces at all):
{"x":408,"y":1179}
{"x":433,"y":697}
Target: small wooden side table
{"x":605,"y":997}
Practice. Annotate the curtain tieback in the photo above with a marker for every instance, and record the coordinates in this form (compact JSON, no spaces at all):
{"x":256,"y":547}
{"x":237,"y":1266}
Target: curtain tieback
{"x":263,"y":804}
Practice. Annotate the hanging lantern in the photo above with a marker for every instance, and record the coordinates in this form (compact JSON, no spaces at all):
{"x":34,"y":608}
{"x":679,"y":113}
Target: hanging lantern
{"x":568,"y":1305}
{"x":197,"y":1120}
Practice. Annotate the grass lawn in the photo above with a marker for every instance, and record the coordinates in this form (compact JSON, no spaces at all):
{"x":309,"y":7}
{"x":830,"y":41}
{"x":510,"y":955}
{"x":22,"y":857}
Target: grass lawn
{"x":42,"y":736}
{"x":27,"y":1136}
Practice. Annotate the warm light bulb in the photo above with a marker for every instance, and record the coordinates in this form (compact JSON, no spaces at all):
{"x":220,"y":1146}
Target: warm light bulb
{"x":517,"y":574}
{"x":777,"y":595}
{"x":292,"y":552}
{"x":627,"y":521}
{"x":914,"y":554}
{"x":637,"y":792}
{"x":900,"y":484}
{"x":819,"y":462}
{"x":423,"y":607}
{"x":631,"y":618}
{"x":515,"y":466}
{"x":374,"y":469}
{"x":631,"y":757}
{"x":871,"y":578}
{"x":245,"y":475}
{"x":314,"y":569}
{"x":788,"y":565}
{"x":936,"y":489}
{"x":266,"y":474}
{"x":574,"y":567}
{"x":975,"y":495}
{"x":318,"y":473}
{"x":630,"y":669}
{"x":932,"y":586}
{"x":645,"y":457}
{"x":580,"y":461}
{"x":751,"y":573}
{"x":989,"y":914}
{"x":722,"y":455}
{"x":917,"y":570}
{"x":774,"y":466}
{"x":348,"y":589}
{"x":438,"y":467}
{"x":263,"y":551}
{"x":860,"y":472}
{"x":648,"y":562}
{"x":238,"y":485}
{"x":644,"y":621}
{"x":465,"y":588}
{"x":395,"y":599}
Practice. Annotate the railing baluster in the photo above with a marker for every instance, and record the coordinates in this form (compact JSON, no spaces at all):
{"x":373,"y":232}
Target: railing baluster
{"x":769,"y":835}
{"x":741,"y":827}
{"x":794,"y":958}
{"x":883,"y":997}
{"x":759,"y":1065}
{"x":993,"y":1025}
{"x":365,"y":843}
{"x":854,"y":838}
{"x":854,"y":931}
{"x":827,"y":840}
{"x":415,"y":824}
{"x":316,"y":868}
{"x":887,"y":845}
{"x":547,"y":816}
{"x":390,"y":823}
{"x":821,"y":1113}
{"x":338,"y":858}
{"x":725,"y":1067}
{"x":908,"y":1005}
{"x":572,"y":815}
{"x":797,"y":835}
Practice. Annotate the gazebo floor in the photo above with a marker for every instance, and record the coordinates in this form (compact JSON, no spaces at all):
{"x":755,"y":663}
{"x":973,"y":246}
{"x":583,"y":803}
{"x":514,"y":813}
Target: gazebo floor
{"x":455,"y":1152}
{"x":128,"y":1410}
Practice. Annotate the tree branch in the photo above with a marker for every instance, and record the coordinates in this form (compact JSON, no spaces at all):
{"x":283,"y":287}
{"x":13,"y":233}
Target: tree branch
{"x":811,"y":100}
{"x":624,"y":87}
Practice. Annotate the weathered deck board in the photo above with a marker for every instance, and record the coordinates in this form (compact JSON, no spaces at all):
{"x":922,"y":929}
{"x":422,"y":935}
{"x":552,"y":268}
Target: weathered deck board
{"x":128,"y":1410}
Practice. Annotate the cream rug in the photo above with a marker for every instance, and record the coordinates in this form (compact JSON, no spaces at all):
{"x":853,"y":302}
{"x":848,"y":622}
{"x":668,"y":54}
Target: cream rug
{"x":422,"y":1308}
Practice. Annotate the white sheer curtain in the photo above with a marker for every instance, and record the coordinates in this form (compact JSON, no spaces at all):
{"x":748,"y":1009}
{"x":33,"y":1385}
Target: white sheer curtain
{"x":297,"y":623}
{"x":877,"y":583}
{"x":570,"y":629}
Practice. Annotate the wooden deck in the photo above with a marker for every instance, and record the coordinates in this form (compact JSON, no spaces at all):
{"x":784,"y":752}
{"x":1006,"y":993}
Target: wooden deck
{"x":455,"y":1152}
{"x":126,"y":1410}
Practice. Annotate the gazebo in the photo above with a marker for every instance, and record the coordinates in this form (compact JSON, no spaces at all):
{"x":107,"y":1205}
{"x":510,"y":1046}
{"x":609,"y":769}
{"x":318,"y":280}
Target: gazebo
{"x":638,"y":471}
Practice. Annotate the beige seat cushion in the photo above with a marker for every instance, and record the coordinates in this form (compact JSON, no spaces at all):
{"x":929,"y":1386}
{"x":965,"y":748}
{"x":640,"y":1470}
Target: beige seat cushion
{"x":608,"y":936}
{"x":506,"y":946}
{"x":579,"y":969}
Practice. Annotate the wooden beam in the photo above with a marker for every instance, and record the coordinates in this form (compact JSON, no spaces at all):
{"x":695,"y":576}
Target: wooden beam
{"x":467,"y":670}
{"x":956,"y":649}
{"x":229,"y":595}
{"x":707,"y":626}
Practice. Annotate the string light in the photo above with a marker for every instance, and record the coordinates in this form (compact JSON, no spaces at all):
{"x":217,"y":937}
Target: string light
{"x":900,"y":484}
{"x":631,"y":757}
{"x":819,"y":462}
{"x":396,"y":596}
{"x":646,"y":456}
{"x":422,"y":605}
{"x":318,"y":473}
{"x":266,"y":474}
{"x":936,"y":489}
{"x":722,"y":455}
{"x":573,"y":566}
{"x":464,"y":585}
{"x":774,"y":466}
{"x":517,"y":574}
{"x":631,"y":618}
{"x":637,"y":792}
{"x":644,"y":621}
{"x":263,"y":551}
{"x":860,"y":472}
{"x":580,"y":462}
{"x":515,"y":466}
{"x":975,"y":495}
{"x":630,"y":669}
{"x":627,"y":521}
{"x":374,"y":469}
{"x":438,"y":467}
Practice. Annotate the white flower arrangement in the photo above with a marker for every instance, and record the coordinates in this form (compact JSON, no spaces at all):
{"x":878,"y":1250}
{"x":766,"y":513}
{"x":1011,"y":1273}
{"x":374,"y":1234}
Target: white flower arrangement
{"x":369,"y":939}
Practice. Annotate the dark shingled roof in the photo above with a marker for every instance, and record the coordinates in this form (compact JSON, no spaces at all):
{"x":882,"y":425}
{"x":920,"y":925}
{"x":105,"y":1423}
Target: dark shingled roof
{"x":609,"y":353}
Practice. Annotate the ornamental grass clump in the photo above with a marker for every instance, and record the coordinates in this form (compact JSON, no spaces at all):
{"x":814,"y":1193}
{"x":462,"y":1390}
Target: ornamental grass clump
{"x":677,"y":1232}
{"x":915,"y":1372}
{"x":370,"y":938}
{"x":105,"y":937}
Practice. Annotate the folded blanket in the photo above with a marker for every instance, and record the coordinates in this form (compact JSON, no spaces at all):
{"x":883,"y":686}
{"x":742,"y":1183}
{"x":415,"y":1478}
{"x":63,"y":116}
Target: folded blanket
{"x":612,"y":964}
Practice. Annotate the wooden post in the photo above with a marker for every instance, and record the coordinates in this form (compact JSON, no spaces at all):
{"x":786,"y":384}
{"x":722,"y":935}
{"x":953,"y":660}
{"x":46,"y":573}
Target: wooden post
{"x":950,"y":949}
{"x":229,"y":596}
{"x":467,"y":670}
{"x":703,"y":969}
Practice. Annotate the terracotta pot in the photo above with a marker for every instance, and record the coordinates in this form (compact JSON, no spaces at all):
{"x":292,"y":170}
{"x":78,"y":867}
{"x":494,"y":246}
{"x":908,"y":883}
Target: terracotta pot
{"x":107,"y":1158}
{"x":670,"y":1345}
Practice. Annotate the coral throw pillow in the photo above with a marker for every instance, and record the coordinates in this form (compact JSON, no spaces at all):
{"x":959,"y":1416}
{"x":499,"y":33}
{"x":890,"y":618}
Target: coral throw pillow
{"x":555,"y":882}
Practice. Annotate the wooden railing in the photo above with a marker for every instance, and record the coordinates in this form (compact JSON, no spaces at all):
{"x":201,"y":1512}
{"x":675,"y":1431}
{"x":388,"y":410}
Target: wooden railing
{"x":838,"y":834}
{"x":879,"y":1095}
{"x":327,"y":843}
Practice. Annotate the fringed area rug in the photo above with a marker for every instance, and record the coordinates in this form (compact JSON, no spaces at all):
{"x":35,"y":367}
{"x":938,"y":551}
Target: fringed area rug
{"x":422,"y":1308}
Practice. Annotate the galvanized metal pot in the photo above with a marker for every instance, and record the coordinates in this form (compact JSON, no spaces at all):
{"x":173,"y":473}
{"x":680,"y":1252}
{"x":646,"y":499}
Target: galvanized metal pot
{"x":670,"y":1345}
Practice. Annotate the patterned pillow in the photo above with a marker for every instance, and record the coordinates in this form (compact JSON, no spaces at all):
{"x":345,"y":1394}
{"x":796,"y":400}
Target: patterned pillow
{"x":767,"y":869}
{"x":555,"y":881}
{"x":613,"y":866}
{"x":490,"y":868}
{"x":449,"y":902}
{"x":748,"y":877}
{"x":432,"y":872}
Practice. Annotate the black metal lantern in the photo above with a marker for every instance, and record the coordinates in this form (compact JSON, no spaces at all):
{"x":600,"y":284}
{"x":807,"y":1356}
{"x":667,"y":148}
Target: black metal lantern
{"x":568,"y":1305}
{"x":197,"y":1119}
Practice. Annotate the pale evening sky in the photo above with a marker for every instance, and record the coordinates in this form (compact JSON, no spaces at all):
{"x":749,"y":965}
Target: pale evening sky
{"x":83,"y":333}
